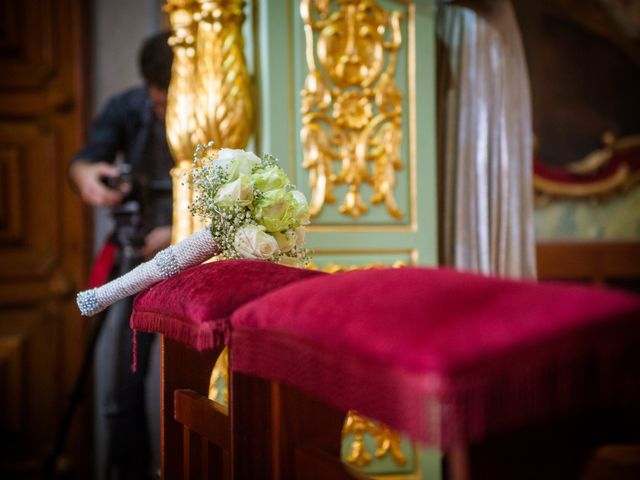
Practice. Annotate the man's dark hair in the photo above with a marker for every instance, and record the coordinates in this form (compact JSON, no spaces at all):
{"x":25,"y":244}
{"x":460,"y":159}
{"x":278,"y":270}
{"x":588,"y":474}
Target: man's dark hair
{"x":155,"y":59}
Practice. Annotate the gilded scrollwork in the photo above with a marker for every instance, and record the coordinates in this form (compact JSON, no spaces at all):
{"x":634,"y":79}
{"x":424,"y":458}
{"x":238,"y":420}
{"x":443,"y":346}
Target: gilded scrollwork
{"x":387,"y":440}
{"x":351,"y":107}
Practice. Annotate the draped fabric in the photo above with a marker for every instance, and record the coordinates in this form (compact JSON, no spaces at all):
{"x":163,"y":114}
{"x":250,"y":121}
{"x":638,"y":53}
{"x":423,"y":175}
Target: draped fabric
{"x":485,"y":140}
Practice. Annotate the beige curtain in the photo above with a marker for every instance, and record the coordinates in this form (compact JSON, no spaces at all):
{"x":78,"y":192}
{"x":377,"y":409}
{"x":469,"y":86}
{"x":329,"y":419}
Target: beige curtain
{"x":485,"y":140}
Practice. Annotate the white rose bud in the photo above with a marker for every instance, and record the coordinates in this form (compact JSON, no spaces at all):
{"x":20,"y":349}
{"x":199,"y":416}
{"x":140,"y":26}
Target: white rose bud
{"x":236,"y":162}
{"x":286,"y":241}
{"x":252,"y":241}
{"x":238,"y":192}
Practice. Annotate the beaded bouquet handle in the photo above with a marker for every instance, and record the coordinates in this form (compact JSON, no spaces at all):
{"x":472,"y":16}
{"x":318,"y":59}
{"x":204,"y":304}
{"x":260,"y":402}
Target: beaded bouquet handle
{"x":191,"y":251}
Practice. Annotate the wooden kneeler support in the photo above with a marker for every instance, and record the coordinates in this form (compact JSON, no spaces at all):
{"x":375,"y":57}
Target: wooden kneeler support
{"x":279,"y":432}
{"x":196,"y":432}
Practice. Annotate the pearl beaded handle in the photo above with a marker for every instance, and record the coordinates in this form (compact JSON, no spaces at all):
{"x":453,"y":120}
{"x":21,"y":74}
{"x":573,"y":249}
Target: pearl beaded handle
{"x":191,"y":251}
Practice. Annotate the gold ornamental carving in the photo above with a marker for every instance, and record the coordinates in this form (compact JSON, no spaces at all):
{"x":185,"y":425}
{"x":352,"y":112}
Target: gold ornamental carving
{"x":387,"y":440}
{"x":209,"y":96}
{"x":612,"y":158}
{"x":219,"y":382}
{"x":351,"y":106}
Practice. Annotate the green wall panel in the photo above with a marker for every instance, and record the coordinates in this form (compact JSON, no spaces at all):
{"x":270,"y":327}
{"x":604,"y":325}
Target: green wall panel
{"x":281,"y":69}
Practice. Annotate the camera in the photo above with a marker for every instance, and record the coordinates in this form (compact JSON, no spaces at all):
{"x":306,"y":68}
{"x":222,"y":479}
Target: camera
{"x":146,"y":203}
{"x":128,"y":215}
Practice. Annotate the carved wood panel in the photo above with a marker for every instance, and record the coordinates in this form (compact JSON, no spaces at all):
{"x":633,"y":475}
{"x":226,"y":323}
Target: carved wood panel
{"x":43,"y":246}
{"x":28,"y":235}
{"x":27,"y":45}
{"x":10,"y":222}
{"x":28,"y":347}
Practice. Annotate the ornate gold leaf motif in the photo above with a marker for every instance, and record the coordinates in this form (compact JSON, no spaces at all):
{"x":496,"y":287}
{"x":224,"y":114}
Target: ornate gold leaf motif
{"x":387,"y":440}
{"x":351,"y":106}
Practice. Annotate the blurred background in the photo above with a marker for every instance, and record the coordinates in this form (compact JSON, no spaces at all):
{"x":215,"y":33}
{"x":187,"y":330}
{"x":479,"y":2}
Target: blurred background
{"x":60,"y":60}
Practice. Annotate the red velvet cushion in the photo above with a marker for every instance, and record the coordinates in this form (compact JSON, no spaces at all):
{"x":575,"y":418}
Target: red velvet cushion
{"x":194,"y":306}
{"x":443,"y":355}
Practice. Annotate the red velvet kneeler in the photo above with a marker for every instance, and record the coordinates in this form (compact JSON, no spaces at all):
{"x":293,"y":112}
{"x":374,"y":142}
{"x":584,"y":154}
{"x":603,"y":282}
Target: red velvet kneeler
{"x":445,"y":356}
{"x":194,"y":307}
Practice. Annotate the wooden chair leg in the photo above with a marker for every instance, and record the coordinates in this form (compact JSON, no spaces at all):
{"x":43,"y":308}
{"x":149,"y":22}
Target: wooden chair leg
{"x":174,"y":376}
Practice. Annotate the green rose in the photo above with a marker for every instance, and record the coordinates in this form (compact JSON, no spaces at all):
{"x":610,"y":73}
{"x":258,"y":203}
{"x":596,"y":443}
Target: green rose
{"x":270,"y":178}
{"x":278,"y":210}
{"x":274,"y":210}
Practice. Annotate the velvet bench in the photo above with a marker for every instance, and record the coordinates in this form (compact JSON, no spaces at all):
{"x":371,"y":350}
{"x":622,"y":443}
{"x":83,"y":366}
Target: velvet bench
{"x":192,"y":312}
{"x":447,"y":357}
{"x":444,"y":356}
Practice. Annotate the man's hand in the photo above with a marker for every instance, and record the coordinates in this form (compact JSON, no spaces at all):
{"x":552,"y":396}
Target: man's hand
{"x":156,"y":240}
{"x":88,"y":176}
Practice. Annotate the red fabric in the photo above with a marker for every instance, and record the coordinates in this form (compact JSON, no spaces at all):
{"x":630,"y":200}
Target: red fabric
{"x":442,"y":355}
{"x":102,"y":266}
{"x":627,"y":159}
{"x":194,"y":306}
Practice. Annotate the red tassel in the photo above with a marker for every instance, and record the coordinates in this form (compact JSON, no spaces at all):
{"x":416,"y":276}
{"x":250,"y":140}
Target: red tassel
{"x":134,"y":360}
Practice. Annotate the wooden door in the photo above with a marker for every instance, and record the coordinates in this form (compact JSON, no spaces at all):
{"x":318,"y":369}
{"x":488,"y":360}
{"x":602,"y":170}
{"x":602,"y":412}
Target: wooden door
{"x":43,"y":245}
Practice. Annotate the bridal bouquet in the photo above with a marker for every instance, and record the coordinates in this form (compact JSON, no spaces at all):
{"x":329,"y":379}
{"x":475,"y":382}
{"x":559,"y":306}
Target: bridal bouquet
{"x":250,"y":210}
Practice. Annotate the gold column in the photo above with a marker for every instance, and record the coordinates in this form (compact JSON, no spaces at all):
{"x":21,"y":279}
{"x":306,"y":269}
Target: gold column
{"x":209,"y":96}
{"x":180,"y":122}
{"x":223,"y":86}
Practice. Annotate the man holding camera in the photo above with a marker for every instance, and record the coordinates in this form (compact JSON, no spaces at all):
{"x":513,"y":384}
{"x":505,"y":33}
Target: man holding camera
{"x":131,"y":124}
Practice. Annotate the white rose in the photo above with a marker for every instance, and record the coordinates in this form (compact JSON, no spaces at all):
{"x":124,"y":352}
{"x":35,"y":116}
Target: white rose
{"x":238,"y":192}
{"x":289,"y":261}
{"x":236,"y":162}
{"x":286,"y":241}
{"x":300,"y":236}
{"x":252,"y":241}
